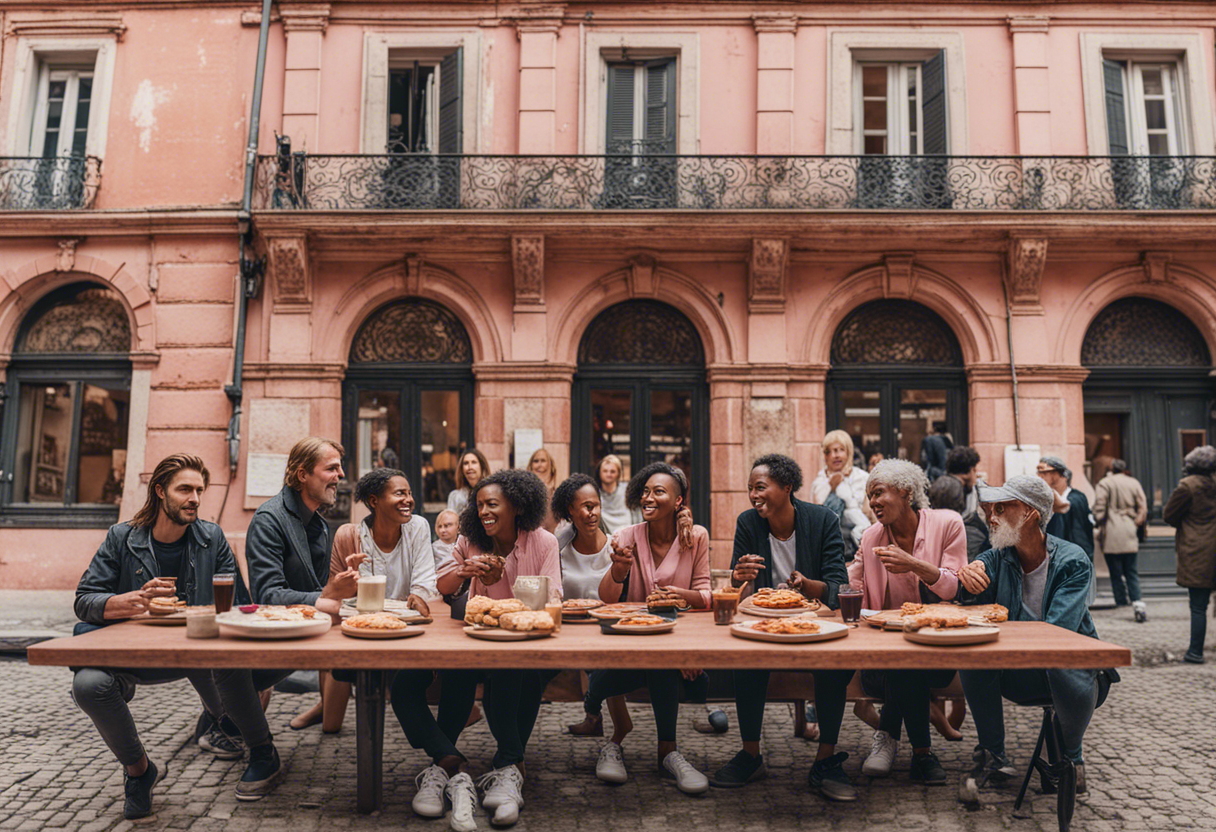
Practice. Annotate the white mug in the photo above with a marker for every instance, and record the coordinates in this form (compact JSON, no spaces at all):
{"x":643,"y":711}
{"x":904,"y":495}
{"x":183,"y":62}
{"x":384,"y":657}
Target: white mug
{"x":371,"y":593}
{"x":533,"y":590}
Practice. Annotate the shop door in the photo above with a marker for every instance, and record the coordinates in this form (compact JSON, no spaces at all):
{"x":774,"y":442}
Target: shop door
{"x":893,"y":420}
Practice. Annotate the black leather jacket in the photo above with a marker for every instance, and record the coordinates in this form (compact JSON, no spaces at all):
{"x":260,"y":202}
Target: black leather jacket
{"x":125,"y":562}
{"x":282,"y":567}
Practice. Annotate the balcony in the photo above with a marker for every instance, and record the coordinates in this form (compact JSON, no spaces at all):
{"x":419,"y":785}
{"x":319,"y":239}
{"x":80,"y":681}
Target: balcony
{"x":61,"y":183}
{"x":404,"y":182}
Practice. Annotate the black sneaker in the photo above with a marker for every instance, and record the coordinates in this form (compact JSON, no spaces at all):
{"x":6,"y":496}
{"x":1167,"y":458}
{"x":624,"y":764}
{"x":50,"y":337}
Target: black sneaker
{"x":927,"y":769}
{"x":204,"y":724}
{"x":740,"y":771}
{"x":988,"y":770}
{"x":262,"y":775}
{"x":138,"y":803}
{"x":828,"y":778}
{"x":222,"y":744}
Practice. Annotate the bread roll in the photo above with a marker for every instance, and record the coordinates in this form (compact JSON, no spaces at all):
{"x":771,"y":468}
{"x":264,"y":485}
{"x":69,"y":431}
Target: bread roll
{"x":526,"y":621}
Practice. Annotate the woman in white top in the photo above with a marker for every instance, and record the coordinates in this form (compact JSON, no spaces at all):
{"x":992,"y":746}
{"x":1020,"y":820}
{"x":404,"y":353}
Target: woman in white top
{"x":616,"y":514}
{"x":391,"y":541}
{"x":839,"y":477}
{"x":472,"y":469}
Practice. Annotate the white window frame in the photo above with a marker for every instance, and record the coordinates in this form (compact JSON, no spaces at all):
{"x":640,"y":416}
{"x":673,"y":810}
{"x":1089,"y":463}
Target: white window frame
{"x":602,"y":47}
{"x":67,"y":119}
{"x":1184,"y":50}
{"x":847,"y":47}
{"x":898,"y":130}
{"x":381,"y":48}
{"x":33,"y":55}
{"x":1176,"y":131}
{"x":407,"y":60}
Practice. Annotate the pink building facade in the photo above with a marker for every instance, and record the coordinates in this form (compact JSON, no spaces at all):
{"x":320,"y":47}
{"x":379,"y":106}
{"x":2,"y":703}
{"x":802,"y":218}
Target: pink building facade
{"x":696,"y":232}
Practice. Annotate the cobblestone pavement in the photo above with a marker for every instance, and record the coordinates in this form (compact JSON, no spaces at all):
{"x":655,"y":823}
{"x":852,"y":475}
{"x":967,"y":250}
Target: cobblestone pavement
{"x":1151,"y":754}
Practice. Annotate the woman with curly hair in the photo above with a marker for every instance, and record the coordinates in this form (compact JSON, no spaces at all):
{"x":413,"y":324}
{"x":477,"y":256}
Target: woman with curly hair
{"x":502,"y":520}
{"x":911,"y":555}
{"x":646,"y":557}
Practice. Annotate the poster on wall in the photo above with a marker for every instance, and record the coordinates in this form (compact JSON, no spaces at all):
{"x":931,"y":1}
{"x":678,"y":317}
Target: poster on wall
{"x":527,"y":442}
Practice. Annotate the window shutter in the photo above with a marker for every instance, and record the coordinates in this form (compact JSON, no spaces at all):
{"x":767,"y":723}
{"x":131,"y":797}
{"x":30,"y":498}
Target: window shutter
{"x":620,"y":109}
{"x":933,"y":105}
{"x":660,"y":106}
{"x":451,"y":108}
{"x":1116,"y":111}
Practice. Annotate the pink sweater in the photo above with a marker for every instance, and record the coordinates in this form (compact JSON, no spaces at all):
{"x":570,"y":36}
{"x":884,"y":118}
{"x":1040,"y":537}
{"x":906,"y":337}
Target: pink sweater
{"x":535,"y":553}
{"x":685,"y":568}
{"x":940,"y":540}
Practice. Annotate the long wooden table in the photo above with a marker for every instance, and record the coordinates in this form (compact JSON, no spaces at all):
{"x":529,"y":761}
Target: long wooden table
{"x":695,"y":643}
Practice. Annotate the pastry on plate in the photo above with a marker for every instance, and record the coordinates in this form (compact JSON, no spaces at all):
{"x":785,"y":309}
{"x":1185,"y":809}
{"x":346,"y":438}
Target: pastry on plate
{"x":476,"y":608}
{"x":376,"y":621}
{"x":642,"y":620}
{"x":779,"y":599}
{"x":664,"y":599}
{"x":526,"y":621}
{"x":939,"y":618}
{"x":912,"y":608}
{"x":787,"y":626}
{"x":995,"y":614}
{"x":574,"y":605}
{"x":500,"y":609}
{"x":166,"y":606}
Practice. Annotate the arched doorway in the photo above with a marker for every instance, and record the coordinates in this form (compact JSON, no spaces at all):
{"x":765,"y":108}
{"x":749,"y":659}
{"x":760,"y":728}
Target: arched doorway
{"x":408,"y":399}
{"x":897,"y":369}
{"x":1148,"y":400}
{"x":64,"y":419}
{"x":640,"y":393}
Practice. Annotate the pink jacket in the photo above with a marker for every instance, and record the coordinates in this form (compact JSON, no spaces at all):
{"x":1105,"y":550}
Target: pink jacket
{"x":940,"y":540}
{"x":535,"y":553}
{"x":685,"y":568}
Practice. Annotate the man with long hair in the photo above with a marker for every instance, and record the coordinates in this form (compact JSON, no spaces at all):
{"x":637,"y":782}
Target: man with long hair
{"x":164,"y":551}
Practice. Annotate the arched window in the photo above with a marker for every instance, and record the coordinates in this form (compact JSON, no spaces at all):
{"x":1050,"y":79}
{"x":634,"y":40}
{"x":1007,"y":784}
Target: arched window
{"x":1148,"y":401}
{"x":66,"y":419}
{"x":897,"y":376}
{"x":640,"y":393}
{"x":409,"y":400}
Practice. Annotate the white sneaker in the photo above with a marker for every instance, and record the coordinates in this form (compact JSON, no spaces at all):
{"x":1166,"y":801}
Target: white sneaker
{"x":463,"y":795}
{"x":610,"y":767}
{"x":429,"y":801}
{"x":882,"y":755}
{"x":1139,"y":611}
{"x":500,"y":785}
{"x":688,"y":779}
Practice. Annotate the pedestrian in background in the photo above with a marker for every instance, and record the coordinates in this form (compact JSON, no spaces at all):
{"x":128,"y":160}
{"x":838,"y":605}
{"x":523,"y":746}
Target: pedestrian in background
{"x":1120,"y":509}
{"x":947,"y":493}
{"x":1071,"y":520}
{"x":933,"y":450}
{"x":1192,"y":510}
{"x":962,"y":463}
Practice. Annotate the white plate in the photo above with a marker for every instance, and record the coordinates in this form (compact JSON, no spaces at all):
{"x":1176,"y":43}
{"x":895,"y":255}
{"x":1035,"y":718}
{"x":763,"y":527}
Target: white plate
{"x":175,"y":619}
{"x":356,"y":632}
{"x":972,"y":634}
{"x":828,"y":630}
{"x":748,"y":608}
{"x":237,"y":623}
{"x":496,"y":634}
{"x":665,"y":627}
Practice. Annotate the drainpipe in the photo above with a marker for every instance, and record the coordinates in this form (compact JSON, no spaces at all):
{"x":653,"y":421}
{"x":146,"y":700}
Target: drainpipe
{"x":250,"y":269}
{"x":1013,"y":370}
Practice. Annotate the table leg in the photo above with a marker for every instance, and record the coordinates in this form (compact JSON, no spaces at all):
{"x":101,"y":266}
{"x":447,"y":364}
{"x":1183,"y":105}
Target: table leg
{"x":369,"y":720}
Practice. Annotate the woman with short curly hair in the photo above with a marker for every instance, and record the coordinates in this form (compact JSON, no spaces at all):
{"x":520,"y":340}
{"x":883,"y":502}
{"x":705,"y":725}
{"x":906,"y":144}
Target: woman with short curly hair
{"x":501,"y":521}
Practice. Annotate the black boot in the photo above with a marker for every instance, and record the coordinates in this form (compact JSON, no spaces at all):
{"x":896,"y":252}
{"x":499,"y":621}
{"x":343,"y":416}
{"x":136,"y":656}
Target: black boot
{"x":1199,"y":627}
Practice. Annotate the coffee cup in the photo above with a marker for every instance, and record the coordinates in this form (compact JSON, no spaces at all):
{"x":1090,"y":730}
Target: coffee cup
{"x":370,"y":597}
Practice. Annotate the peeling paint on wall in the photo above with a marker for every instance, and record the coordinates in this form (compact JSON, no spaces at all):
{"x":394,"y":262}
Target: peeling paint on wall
{"x":143,"y":111}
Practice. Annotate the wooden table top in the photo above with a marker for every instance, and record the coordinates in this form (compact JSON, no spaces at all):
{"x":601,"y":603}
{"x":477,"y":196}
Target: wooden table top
{"x":696,"y":642}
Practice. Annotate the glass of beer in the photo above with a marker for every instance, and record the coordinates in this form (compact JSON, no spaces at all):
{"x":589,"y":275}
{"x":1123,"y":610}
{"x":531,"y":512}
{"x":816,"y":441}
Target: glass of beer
{"x":725,"y":604}
{"x":371,"y":593}
{"x":223,"y":585}
{"x":554,"y":608}
{"x":850,"y":604}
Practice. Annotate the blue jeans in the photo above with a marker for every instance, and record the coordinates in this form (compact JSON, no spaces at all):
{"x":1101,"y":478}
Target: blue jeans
{"x":1123,"y":568}
{"x":1073,"y":693}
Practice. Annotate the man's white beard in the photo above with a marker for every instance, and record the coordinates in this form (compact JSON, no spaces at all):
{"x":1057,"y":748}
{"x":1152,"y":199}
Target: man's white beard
{"x":1005,"y":536}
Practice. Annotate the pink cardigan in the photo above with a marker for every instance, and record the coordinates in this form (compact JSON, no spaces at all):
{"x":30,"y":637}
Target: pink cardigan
{"x":535,"y":553}
{"x":685,"y":568}
{"x":940,"y":540}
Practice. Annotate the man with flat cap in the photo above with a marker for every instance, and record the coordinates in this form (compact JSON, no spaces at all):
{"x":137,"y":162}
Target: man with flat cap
{"x":1038,"y":577}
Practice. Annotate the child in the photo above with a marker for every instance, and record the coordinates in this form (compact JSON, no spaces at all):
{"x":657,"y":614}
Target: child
{"x":447,"y":527}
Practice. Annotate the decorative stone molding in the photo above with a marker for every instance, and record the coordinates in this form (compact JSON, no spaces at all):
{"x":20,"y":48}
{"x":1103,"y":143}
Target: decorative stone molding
{"x":26,"y":24}
{"x":289,"y":267}
{"x":413,"y":274}
{"x":774,"y":22}
{"x":306,"y":17}
{"x":643,"y":277}
{"x":1028,"y":24}
{"x":528,"y":261}
{"x":1024,"y":272}
{"x":899,"y":278}
{"x":253,"y":17}
{"x":546,"y":17}
{"x":65,"y":260}
{"x":766,"y":276}
{"x":1156,"y":266}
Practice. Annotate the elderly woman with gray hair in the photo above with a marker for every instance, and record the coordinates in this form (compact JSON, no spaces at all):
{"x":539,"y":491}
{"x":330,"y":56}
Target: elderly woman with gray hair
{"x":911,"y":555}
{"x":1192,"y":510}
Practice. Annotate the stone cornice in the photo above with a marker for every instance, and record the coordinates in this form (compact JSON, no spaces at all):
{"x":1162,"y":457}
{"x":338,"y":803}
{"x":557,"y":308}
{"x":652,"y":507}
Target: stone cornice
{"x":26,"y":224}
{"x":261,"y":371}
{"x":524,"y":371}
{"x":1039,"y":373}
{"x":746,"y":373}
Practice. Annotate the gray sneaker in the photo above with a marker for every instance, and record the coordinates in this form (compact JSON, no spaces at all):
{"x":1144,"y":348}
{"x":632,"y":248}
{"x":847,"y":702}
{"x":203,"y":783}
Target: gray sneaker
{"x":223,"y":746}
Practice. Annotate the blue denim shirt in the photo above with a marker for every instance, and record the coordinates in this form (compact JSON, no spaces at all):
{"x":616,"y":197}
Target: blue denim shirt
{"x":1065,"y":597}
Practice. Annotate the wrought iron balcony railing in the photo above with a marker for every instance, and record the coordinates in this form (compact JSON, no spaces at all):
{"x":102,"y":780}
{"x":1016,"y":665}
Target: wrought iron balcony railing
{"x":29,"y":183}
{"x":404,"y":182}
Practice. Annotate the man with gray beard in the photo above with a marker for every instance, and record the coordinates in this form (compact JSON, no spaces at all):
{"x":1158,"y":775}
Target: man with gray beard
{"x":1038,"y":577}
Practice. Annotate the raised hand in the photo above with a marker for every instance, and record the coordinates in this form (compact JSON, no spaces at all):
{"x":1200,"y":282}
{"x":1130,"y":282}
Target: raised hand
{"x":622,"y":560}
{"x":746,"y":569}
{"x":127,"y":605}
{"x":974,"y":577}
